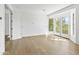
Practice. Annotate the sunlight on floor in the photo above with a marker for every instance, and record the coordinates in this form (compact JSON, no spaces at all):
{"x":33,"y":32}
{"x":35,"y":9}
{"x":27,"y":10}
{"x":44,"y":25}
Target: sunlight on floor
{"x":59,"y":39}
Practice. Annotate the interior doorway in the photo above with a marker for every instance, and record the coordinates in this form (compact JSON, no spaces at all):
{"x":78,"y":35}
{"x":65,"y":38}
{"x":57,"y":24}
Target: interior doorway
{"x":8,"y":28}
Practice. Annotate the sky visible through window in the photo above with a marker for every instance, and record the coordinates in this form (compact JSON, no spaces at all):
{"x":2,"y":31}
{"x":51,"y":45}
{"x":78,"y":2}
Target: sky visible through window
{"x":66,"y":19}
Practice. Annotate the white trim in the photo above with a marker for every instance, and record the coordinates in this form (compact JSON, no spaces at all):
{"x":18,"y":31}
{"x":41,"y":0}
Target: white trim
{"x":14,"y":38}
{"x":35,"y":34}
{"x":30,"y":35}
{"x":10,"y":7}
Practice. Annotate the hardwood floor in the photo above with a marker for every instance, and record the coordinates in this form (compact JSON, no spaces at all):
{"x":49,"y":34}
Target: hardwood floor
{"x":43,"y":45}
{"x":8,"y":43}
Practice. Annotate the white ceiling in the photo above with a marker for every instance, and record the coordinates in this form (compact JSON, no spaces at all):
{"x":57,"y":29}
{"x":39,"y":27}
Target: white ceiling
{"x":47,"y":8}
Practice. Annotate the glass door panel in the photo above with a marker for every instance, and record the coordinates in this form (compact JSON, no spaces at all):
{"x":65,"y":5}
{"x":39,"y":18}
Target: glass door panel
{"x":65,"y":25}
{"x":57,"y":25}
{"x":51,"y":24}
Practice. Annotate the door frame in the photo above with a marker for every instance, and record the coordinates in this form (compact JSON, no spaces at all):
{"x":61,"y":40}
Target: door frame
{"x":10,"y":20}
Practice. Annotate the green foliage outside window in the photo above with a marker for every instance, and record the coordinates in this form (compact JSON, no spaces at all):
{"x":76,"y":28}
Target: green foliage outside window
{"x":51,"y":24}
{"x":57,"y":25}
{"x":64,"y":27}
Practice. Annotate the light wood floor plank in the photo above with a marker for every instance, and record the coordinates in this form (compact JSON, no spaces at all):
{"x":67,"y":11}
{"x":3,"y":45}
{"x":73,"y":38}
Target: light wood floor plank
{"x":42,"y":45}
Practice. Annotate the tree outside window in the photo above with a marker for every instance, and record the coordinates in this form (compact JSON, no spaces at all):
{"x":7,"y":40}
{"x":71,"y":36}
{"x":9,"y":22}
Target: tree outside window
{"x":65,"y":25}
{"x":57,"y":25}
{"x":51,"y":24}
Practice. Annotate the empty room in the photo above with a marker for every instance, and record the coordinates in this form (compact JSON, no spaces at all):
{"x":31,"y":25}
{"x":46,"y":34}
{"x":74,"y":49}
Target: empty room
{"x":39,"y":29}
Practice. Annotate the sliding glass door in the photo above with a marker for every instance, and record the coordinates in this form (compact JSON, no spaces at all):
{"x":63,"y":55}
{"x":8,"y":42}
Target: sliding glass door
{"x":65,"y":24}
{"x":60,"y":24}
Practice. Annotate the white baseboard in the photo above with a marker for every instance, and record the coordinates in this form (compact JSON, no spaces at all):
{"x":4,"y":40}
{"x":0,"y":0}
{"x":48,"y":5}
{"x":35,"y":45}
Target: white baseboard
{"x":33,"y":35}
{"x":16,"y":38}
{"x":29,"y":36}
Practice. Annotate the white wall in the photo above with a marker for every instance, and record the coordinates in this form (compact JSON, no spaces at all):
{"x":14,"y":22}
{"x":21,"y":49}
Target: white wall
{"x":34,"y":23}
{"x":29,"y":24}
{"x":16,"y":32}
{"x":77,"y":24}
{"x":2,"y":30}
